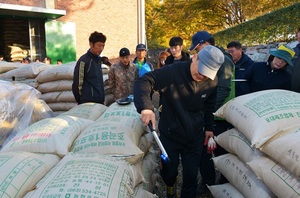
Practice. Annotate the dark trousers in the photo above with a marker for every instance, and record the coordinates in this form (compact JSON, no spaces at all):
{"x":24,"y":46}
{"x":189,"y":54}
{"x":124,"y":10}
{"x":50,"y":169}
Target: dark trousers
{"x":207,"y":168}
{"x":190,"y":159}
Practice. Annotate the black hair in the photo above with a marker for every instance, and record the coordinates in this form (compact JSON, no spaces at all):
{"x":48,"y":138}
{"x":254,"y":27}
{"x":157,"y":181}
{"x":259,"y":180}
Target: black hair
{"x":235,"y":44}
{"x":97,"y":37}
{"x":176,"y":40}
{"x":211,"y":40}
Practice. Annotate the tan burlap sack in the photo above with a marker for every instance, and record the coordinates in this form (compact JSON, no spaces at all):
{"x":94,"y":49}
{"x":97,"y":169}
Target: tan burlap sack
{"x":89,"y":175}
{"x":20,"y":171}
{"x":224,"y":191}
{"x":260,"y":115}
{"x":58,"y":72}
{"x":30,"y":70}
{"x":284,"y":148}
{"x":146,"y":142}
{"x":7,"y":66}
{"x":58,"y":96}
{"x":58,"y":85}
{"x":51,"y":135}
{"x":140,"y":192}
{"x":241,"y":176}
{"x":90,"y":110}
{"x":237,"y":143}
{"x":279,"y":180}
{"x":149,"y":165}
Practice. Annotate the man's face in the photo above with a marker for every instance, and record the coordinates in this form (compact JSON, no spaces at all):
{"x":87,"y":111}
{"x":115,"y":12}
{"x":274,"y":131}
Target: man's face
{"x":235,"y":53}
{"x":97,"y":48}
{"x":194,"y":70}
{"x":176,"y":50}
{"x":125,"y":60}
{"x":140,"y":54}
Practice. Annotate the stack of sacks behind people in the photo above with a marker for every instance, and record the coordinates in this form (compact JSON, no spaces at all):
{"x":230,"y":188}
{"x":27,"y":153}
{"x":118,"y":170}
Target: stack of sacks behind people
{"x":55,"y":84}
{"x":263,"y":146}
{"x":23,"y":73}
{"x":20,"y":107}
{"x":93,"y":151}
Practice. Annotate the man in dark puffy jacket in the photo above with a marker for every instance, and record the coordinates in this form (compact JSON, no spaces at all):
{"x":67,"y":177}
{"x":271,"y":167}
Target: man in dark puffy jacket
{"x":187,"y":112}
{"x":88,"y":79}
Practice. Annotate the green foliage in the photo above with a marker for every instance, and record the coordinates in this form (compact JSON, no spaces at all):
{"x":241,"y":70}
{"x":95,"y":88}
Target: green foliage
{"x":60,"y":44}
{"x":277,"y":26}
{"x":167,"y":18}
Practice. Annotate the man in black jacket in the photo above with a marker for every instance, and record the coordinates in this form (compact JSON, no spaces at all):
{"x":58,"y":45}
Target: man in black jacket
{"x":187,"y":112}
{"x":88,"y":79}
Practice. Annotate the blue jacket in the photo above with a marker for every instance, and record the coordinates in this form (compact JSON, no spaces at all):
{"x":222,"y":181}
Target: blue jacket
{"x":146,"y":67}
{"x":260,"y":76}
{"x":88,"y":79}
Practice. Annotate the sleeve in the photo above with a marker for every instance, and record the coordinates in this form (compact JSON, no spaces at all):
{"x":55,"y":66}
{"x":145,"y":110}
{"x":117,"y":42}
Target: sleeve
{"x":224,"y":74}
{"x":78,"y":80}
{"x":146,"y":84}
{"x":112,"y":81}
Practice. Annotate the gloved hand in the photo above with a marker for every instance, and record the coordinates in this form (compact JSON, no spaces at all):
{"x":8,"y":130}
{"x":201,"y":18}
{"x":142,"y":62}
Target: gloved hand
{"x":211,"y":145}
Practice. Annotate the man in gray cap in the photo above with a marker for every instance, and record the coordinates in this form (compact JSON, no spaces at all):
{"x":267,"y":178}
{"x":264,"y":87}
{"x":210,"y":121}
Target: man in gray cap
{"x":225,"y":91}
{"x":189,"y":102}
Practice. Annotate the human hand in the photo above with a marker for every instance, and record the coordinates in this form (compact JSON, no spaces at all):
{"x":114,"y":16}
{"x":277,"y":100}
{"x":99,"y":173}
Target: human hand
{"x":211,"y":145}
{"x":148,"y":115}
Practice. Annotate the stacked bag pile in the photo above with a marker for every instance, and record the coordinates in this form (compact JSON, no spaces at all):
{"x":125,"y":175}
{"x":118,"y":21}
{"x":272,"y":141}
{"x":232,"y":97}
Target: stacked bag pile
{"x":263,"y":146}
{"x":16,"y":52}
{"x":55,"y":84}
{"x":90,"y":150}
{"x":21,"y":72}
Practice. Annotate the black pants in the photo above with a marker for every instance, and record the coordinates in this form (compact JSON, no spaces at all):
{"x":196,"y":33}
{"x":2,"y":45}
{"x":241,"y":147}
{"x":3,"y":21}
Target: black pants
{"x":190,"y":159}
{"x":207,"y":169}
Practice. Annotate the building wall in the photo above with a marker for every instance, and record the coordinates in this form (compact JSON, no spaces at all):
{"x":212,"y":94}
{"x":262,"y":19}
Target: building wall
{"x":115,"y":19}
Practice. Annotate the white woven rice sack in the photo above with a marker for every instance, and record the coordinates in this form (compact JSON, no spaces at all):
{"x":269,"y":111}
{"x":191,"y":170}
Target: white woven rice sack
{"x":58,"y":85}
{"x":285,"y":149}
{"x":51,"y":135}
{"x":260,"y":115}
{"x":241,"y":177}
{"x":20,"y":171}
{"x":90,"y":110}
{"x":60,"y":72}
{"x":280,"y":181}
{"x":62,"y":106}
{"x":106,"y":138}
{"x":89,"y":175}
{"x":149,"y":165}
{"x":7,"y":66}
{"x":237,"y":143}
{"x":127,"y":117}
{"x":225,"y":191}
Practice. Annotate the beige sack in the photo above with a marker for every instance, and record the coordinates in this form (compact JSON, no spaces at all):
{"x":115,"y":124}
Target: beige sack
{"x":225,"y":191}
{"x":90,"y":110}
{"x":281,"y":181}
{"x":149,"y":165}
{"x":52,"y":86}
{"x":139,"y":192}
{"x":146,"y":142}
{"x":284,"y":148}
{"x":51,"y":135}
{"x":59,"y":72}
{"x":241,"y":177}
{"x":58,"y":96}
{"x":7,"y":66}
{"x":20,"y":171}
{"x":237,"y":143}
{"x":89,"y":175}
{"x":260,"y":115}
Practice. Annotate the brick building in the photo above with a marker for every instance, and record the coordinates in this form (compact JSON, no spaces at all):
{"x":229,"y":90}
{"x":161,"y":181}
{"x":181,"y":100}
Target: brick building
{"x":60,"y":28}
